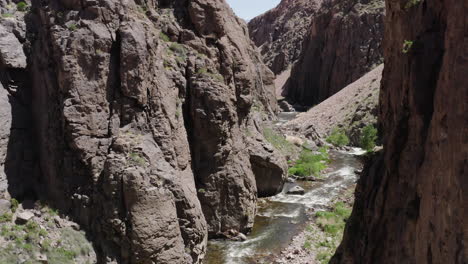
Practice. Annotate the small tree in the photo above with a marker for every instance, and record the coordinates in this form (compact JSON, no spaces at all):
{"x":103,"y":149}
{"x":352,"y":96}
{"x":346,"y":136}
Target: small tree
{"x":368,"y":138}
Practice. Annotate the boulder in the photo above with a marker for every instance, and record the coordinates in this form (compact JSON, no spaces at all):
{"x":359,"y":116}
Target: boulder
{"x":23,"y":217}
{"x":296,"y":190}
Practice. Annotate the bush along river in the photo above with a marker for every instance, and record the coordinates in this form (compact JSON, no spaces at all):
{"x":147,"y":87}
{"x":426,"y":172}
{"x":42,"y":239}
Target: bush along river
{"x":284,"y":219}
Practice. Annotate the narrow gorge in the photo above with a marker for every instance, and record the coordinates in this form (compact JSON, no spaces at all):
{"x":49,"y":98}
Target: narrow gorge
{"x":173,"y":131}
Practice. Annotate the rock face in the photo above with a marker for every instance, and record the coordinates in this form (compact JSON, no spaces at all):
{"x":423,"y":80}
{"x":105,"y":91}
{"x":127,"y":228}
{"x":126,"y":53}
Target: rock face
{"x":280,"y":32}
{"x":411,"y":200}
{"x":351,"y":109}
{"x":342,"y":44}
{"x":139,"y":112}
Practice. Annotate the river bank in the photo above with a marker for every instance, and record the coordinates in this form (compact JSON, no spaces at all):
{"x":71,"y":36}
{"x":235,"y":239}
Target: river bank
{"x":284,"y":223}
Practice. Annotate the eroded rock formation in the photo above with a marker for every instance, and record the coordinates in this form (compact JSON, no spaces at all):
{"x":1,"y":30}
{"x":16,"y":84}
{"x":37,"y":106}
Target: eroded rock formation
{"x":139,"y":111}
{"x":411,"y":200}
{"x":342,"y":44}
{"x":280,"y":32}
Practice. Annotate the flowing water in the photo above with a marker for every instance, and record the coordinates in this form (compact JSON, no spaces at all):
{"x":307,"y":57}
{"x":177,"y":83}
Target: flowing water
{"x":281,"y":217}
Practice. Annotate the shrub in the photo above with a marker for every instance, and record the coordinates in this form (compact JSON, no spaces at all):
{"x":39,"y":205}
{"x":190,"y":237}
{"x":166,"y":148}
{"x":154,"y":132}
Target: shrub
{"x":22,"y":6}
{"x":338,"y":138}
{"x":407,"y":46}
{"x":368,"y":138}
{"x":137,"y":159}
{"x":310,"y":163}
{"x":6,"y":15}
{"x":73,"y":27}
{"x":14,"y":205}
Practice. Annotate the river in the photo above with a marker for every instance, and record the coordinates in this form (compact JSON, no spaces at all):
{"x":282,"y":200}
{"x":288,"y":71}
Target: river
{"x":281,"y":217}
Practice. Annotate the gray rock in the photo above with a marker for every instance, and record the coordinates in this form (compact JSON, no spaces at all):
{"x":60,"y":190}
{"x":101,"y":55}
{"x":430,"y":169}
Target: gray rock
{"x":11,"y":50}
{"x":296,"y":190}
{"x":23,"y":217}
{"x":4,"y":206}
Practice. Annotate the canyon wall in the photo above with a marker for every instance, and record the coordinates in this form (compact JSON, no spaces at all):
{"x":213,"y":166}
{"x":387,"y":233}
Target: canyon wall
{"x":280,"y":32}
{"x":411,"y":200}
{"x":343,"y":43}
{"x":139,"y":111}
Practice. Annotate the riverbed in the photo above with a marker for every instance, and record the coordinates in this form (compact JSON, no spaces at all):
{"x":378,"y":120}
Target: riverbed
{"x":281,"y":217}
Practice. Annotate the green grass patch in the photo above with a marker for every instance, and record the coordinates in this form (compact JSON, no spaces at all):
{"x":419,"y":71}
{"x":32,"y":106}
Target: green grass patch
{"x":205,"y":72}
{"x":333,"y":222}
{"x":7,"y":15}
{"x":179,"y":50}
{"x":6,"y":217}
{"x":164,"y":37}
{"x":137,"y":158}
{"x":279,"y":142}
{"x":310,"y":163}
{"x":338,"y":138}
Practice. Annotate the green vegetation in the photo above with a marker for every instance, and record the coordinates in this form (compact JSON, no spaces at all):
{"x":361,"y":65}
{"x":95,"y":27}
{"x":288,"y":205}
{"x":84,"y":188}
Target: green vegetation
{"x":164,"y":37}
{"x":310,"y":163}
{"x":368,"y":138}
{"x":333,"y":224}
{"x":216,"y":76}
{"x":338,"y":138}
{"x":6,"y":15}
{"x":73,"y":27}
{"x":279,"y":142}
{"x":6,"y":217}
{"x":14,"y":205}
{"x":180,"y":51}
{"x":22,"y":6}
{"x":137,"y":158}
{"x":201,"y":190}
{"x":407,"y":46}
{"x":30,"y":239}
{"x":411,"y":3}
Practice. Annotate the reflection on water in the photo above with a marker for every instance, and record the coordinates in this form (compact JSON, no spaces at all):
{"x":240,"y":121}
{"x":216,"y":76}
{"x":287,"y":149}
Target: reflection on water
{"x":281,"y":217}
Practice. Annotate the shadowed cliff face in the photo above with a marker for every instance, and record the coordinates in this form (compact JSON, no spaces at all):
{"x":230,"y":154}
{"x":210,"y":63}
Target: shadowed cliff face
{"x":140,"y":111}
{"x":342,"y":44}
{"x":411,"y":201}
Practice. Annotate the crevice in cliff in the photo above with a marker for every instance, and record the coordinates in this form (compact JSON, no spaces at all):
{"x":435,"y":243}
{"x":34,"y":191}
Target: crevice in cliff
{"x":114,"y":81}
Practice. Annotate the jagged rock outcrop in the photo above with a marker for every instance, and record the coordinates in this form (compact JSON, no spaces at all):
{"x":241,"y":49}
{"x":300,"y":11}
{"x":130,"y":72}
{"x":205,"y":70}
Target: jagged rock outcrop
{"x":411,"y":200}
{"x":351,"y":109}
{"x":139,"y":111}
{"x":343,"y":43}
{"x":280,"y":32}
{"x":19,"y":169}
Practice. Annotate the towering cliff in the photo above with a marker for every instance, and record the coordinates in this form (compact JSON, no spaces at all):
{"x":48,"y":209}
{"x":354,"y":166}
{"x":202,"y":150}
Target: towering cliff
{"x":281,"y":31}
{"x":342,"y":44}
{"x":139,"y":110}
{"x":411,"y":200}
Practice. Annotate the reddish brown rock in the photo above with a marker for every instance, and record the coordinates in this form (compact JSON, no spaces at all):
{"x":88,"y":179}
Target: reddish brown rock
{"x":411,"y":201}
{"x":342,"y":44}
{"x":139,"y":112}
{"x":279,"y":33}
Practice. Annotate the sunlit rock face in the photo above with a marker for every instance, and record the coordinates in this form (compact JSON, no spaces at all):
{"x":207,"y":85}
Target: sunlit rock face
{"x":140,"y":113}
{"x":411,"y":200}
